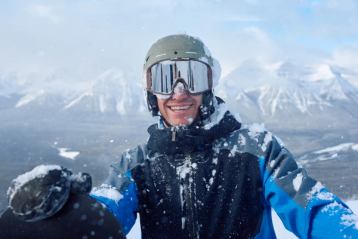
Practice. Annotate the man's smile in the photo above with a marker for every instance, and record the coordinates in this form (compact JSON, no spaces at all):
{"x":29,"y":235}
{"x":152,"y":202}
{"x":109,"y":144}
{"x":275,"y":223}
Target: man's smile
{"x":179,"y":107}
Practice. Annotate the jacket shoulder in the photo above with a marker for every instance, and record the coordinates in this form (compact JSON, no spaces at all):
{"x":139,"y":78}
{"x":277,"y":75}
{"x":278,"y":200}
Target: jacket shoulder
{"x":253,"y":139}
{"x":130,"y":159}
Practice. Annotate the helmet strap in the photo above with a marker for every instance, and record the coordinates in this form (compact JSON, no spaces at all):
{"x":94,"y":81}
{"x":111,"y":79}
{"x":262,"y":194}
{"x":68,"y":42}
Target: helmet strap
{"x":152,"y":104}
{"x":207,"y":105}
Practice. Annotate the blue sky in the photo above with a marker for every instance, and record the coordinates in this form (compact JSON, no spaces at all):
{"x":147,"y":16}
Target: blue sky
{"x":82,"y":38}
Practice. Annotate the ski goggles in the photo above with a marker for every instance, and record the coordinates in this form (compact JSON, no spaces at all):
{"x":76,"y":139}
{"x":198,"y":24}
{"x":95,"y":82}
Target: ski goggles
{"x":163,"y":76}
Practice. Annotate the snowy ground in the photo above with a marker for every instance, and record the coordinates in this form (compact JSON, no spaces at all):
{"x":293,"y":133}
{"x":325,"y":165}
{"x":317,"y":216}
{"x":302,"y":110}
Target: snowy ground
{"x":67,"y":153}
{"x":281,"y":232}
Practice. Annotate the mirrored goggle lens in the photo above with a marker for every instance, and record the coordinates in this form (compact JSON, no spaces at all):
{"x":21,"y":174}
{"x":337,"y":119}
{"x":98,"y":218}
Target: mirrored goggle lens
{"x":164,"y":75}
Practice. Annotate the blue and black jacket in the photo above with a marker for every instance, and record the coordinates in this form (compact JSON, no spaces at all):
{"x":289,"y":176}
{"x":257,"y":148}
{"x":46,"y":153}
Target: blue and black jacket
{"x":219,"y":180}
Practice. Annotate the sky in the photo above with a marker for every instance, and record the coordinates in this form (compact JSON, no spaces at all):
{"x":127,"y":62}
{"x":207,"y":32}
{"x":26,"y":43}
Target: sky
{"x":77,"y":40}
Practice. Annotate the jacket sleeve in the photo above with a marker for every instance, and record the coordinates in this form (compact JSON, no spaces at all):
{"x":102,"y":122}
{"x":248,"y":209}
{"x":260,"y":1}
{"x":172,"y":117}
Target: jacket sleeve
{"x":304,"y":205}
{"x":119,"y":192}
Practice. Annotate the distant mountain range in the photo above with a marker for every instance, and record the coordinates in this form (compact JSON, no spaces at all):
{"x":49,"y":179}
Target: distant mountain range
{"x":341,"y":152}
{"x":109,"y":93}
{"x":291,"y":96}
{"x":283,"y":94}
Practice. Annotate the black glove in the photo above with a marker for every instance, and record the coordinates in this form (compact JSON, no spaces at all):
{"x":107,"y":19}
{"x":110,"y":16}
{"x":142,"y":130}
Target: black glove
{"x":43,"y":191}
{"x":51,"y":202}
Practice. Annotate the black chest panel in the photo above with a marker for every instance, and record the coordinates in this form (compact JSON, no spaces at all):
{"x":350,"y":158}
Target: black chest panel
{"x":202,"y":195}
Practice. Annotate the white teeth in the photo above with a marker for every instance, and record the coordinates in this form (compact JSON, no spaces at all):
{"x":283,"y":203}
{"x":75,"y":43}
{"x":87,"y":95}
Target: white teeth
{"x":180,"y":107}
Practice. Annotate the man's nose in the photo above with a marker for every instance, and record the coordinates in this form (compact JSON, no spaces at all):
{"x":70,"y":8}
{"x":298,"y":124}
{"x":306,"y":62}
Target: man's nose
{"x":179,"y":91}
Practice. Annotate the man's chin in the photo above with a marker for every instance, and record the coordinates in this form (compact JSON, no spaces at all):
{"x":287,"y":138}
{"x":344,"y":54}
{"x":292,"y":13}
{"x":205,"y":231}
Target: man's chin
{"x":182,"y":121}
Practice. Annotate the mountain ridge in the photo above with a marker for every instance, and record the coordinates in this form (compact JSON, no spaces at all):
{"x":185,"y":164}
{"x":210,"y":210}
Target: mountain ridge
{"x":297,"y":95}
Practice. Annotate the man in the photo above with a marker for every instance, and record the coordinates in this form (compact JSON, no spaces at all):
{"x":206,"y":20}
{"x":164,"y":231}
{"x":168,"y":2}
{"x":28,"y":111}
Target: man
{"x":201,"y":174}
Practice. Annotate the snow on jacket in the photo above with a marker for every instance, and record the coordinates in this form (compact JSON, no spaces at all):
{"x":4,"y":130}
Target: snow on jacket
{"x":220,"y":180}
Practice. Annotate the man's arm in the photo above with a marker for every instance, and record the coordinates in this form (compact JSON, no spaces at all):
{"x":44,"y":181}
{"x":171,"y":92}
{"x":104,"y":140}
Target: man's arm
{"x":119,"y":192}
{"x":123,"y":203}
{"x":306,"y":207}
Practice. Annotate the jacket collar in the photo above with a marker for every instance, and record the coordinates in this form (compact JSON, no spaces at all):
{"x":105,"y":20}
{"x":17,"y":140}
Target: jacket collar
{"x":195,"y":137}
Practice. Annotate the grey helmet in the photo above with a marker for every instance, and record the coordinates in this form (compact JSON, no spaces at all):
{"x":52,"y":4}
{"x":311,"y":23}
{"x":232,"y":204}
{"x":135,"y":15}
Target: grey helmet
{"x":175,"y":47}
{"x":180,"y":47}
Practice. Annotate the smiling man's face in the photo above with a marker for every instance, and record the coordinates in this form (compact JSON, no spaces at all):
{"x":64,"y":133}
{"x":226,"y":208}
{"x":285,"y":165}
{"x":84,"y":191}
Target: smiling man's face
{"x":181,"y":108}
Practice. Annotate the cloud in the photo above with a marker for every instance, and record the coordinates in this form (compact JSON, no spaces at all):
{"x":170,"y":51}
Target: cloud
{"x":346,"y":57}
{"x":246,"y":43}
{"x":89,"y":36}
{"x":45,"y":12}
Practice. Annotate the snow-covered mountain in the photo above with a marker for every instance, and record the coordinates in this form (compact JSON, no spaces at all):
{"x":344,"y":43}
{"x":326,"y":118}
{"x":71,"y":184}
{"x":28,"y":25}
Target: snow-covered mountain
{"x":37,"y":100}
{"x":291,"y":94}
{"x":284,"y":94}
{"x":10,"y":84}
{"x":345,"y":151}
{"x":110,"y":92}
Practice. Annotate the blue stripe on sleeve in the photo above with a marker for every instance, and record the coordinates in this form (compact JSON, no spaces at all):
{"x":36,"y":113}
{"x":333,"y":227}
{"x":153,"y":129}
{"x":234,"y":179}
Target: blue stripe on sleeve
{"x":324,"y":216}
{"x":125,"y":209}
